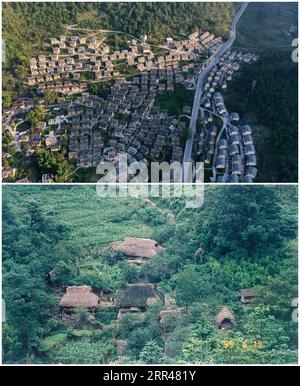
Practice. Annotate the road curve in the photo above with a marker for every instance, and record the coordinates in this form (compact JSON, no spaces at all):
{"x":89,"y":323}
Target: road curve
{"x":199,"y":89}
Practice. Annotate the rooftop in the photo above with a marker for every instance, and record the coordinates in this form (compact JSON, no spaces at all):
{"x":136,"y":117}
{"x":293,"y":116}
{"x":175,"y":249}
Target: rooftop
{"x":138,"y":247}
{"x":79,"y":297}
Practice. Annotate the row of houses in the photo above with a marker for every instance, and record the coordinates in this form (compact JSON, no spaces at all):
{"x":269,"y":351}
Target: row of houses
{"x":71,"y":57}
{"x":206,"y":42}
{"x":66,"y":87}
{"x":234,"y":160}
{"x":235,"y":157}
{"x":222,"y":73}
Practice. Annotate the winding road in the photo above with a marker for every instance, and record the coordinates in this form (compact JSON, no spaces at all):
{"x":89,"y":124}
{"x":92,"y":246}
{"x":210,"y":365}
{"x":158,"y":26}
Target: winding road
{"x":214,"y":59}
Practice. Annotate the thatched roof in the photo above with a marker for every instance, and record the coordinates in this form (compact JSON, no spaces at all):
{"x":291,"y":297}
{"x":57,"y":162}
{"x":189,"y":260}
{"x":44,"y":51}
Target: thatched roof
{"x":136,"y":247}
{"x":224,"y":316}
{"x":139,"y":295}
{"x":79,"y":297}
{"x":248,"y":292}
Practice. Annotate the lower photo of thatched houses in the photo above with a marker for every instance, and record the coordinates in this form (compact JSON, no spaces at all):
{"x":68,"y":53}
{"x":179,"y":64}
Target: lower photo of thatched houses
{"x":89,"y":280}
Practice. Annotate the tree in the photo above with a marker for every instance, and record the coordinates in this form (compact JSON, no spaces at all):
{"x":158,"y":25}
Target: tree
{"x":46,"y":161}
{"x":64,"y":171}
{"x":131,"y":272}
{"x":137,"y":340}
{"x":63,"y":273}
{"x":50,"y":96}
{"x":189,"y":286}
{"x":36,"y":115}
{"x":243,"y":221}
{"x":152,"y":353}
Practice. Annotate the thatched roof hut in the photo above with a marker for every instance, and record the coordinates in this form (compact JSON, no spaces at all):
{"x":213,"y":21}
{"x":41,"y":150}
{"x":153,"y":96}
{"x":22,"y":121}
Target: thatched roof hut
{"x":122,"y":346}
{"x":225,"y":319}
{"x":79,"y":297}
{"x":139,"y":295}
{"x":137,"y":247}
{"x":248,"y":295}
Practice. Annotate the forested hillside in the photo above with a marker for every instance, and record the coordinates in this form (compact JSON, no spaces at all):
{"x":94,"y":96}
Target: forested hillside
{"x":27,"y":27}
{"x":54,"y":237}
{"x":266,"y":93}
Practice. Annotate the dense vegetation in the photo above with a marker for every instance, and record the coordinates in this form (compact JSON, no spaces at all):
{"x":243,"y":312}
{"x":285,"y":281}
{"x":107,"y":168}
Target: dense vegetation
{"x":173,"y":101}
{"x":27,"y":27}
{"x":248,"y":235}
{"x":266,"y":92}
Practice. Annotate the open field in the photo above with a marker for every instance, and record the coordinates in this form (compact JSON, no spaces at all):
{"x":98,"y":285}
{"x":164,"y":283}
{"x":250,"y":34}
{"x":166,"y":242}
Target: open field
{"x":267,"y":26}
{"x":173,"y":101}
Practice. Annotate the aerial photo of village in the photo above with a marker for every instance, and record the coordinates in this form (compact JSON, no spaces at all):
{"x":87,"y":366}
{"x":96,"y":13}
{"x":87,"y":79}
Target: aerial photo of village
{"x":79,"y":91}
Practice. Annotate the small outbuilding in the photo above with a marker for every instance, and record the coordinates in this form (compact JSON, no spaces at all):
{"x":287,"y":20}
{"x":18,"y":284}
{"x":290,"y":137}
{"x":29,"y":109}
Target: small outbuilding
{"x":225,"y":319}
{"x":248,"y":295}
{"x":122,"y":346}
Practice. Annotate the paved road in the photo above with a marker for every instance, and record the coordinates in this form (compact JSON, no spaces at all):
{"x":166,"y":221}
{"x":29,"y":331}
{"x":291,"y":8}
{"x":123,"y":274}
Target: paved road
{"x":199,"y":90}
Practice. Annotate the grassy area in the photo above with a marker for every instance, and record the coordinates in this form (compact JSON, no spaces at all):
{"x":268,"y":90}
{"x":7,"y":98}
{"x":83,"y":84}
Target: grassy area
{"x":86,"y":16}
{"x":98,"y":221}
{"x":266,"y":26}
{"x":173,"y":101}
{"x":87,"y":76}
{"x":158,"y":51}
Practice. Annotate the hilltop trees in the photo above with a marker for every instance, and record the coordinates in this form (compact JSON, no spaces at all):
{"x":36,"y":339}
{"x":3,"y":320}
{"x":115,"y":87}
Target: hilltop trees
{"x":236,"y":220}
{"x":160,"y":20}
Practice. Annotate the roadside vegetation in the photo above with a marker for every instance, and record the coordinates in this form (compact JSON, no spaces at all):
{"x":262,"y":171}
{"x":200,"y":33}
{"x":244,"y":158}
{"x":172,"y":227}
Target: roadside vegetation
{"x":266,"y":93}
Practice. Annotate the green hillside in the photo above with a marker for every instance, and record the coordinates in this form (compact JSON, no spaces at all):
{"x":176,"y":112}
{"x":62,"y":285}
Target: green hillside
{"x":55,"y":236}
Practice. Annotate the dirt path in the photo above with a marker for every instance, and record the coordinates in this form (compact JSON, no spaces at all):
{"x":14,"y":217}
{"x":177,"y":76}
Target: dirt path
{"x":170,"y":215}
